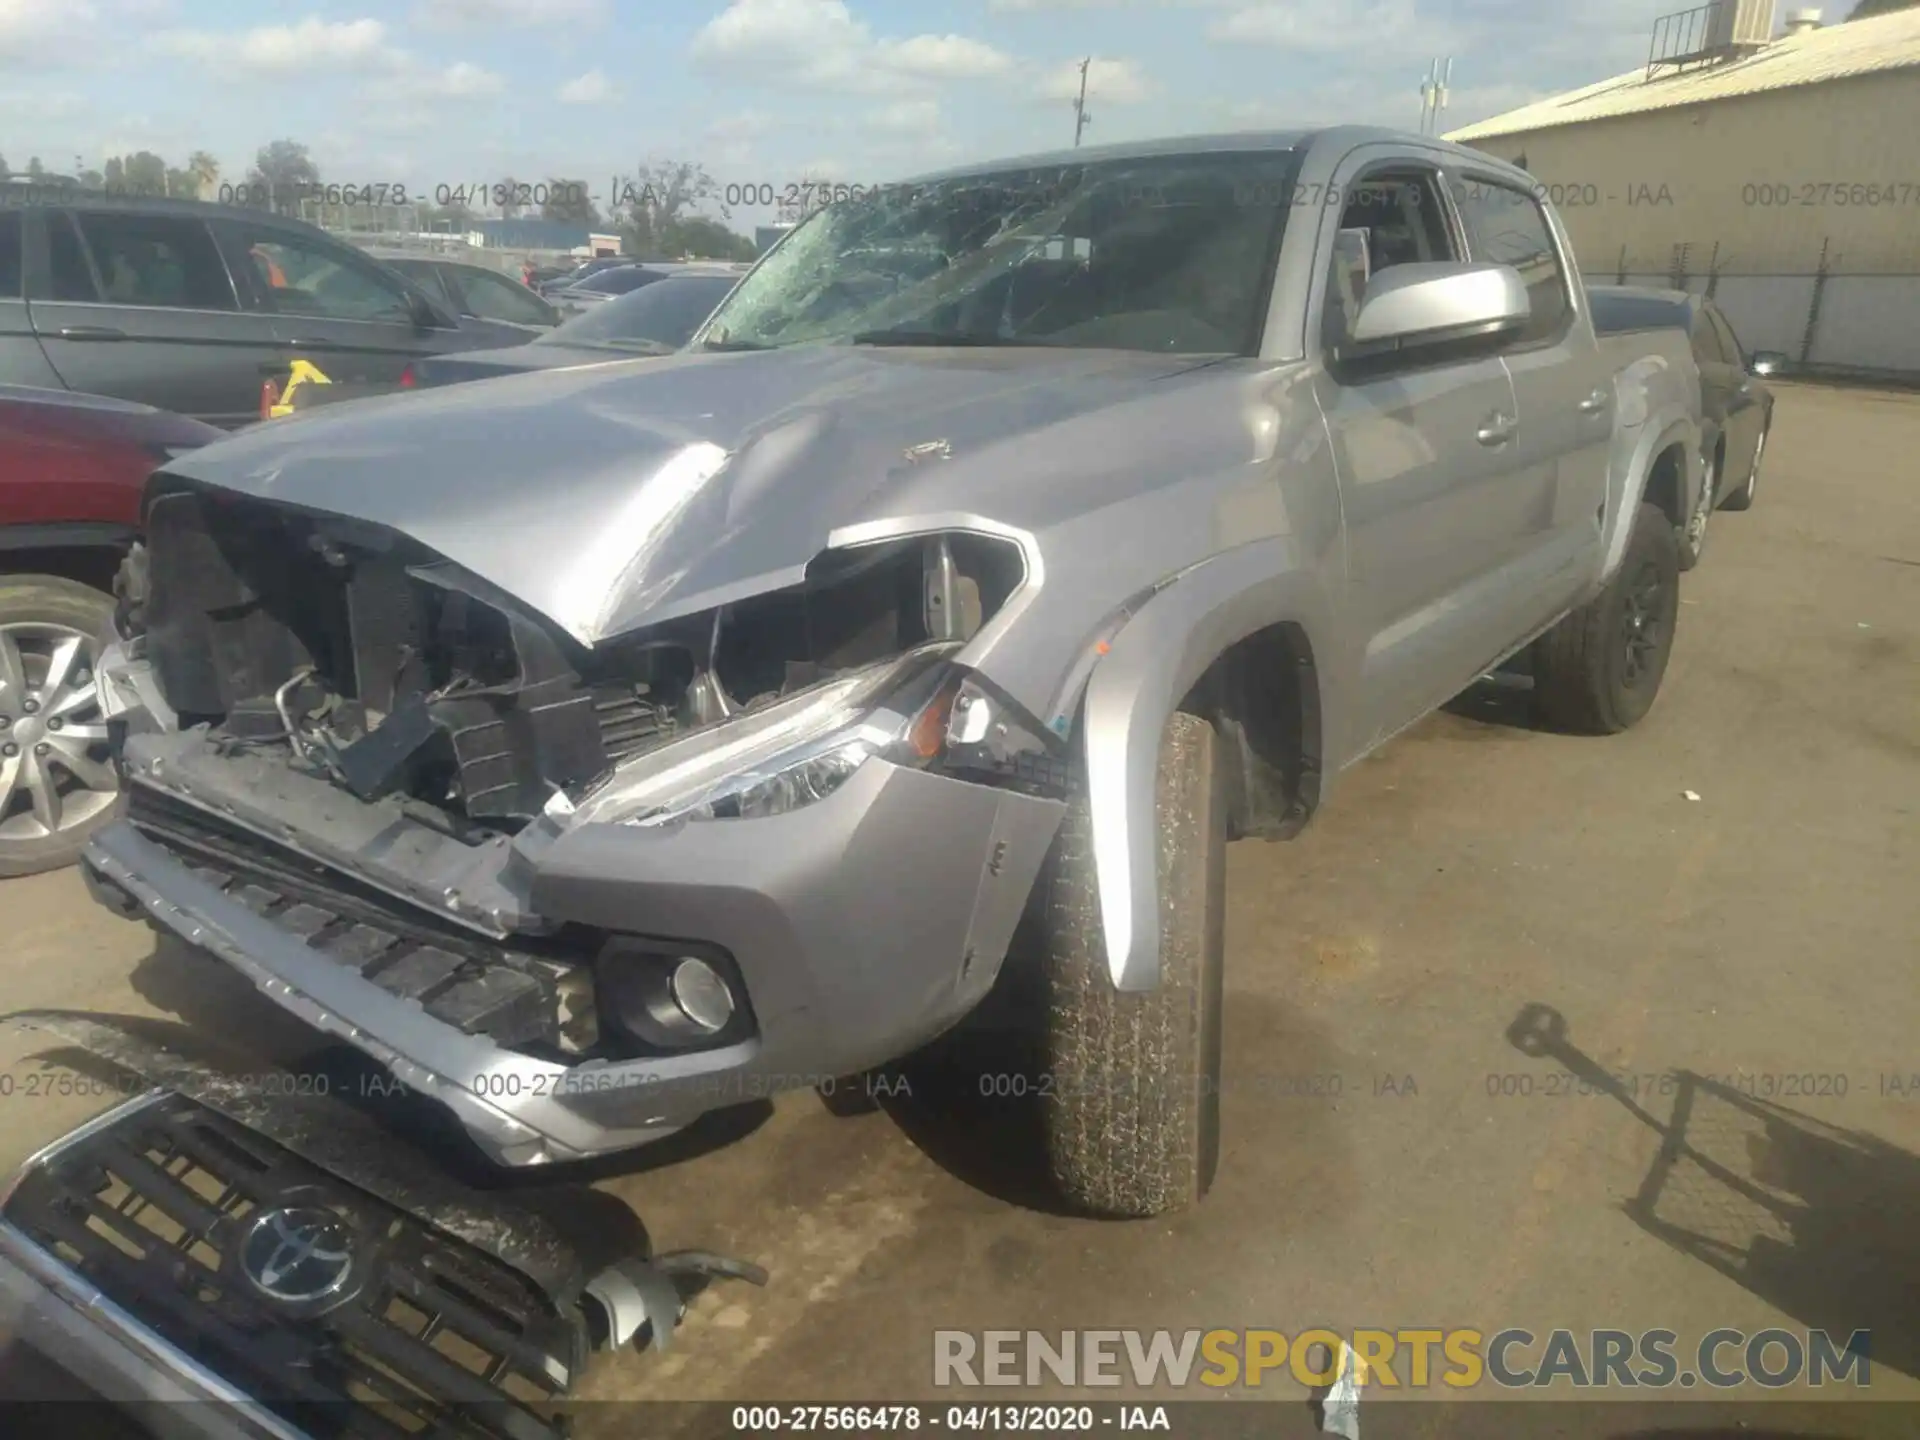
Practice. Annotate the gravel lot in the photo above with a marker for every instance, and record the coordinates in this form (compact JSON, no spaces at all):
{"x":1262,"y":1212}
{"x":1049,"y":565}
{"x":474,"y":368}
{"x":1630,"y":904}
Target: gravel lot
{"x":1766,"y":930}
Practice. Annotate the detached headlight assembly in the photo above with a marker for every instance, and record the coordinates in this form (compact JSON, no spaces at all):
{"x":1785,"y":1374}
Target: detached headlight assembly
{"x":784,"y":755}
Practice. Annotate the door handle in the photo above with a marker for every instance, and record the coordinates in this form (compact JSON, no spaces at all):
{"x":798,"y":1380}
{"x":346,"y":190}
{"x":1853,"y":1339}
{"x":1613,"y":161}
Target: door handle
{"x":91,"y":332}
{"x":1496,"y":429}
{"x":1593,"y":404}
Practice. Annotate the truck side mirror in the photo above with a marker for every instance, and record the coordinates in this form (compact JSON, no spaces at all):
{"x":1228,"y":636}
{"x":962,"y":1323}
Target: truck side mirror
{"x":1429,"y":302}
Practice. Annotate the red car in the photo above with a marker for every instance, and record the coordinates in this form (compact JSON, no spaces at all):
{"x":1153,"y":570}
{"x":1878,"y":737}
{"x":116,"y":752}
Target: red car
{"x":72,"y":468}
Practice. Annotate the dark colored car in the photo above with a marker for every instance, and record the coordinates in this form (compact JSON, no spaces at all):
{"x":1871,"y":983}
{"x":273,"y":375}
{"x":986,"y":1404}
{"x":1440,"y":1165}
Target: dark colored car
{"x":72,"y":468}
{"x":473,"y":292}
{"x":1736,"y":407}
{"x":192,"y":307}
{"x":653,"y":320}
{"x":578,"y":273}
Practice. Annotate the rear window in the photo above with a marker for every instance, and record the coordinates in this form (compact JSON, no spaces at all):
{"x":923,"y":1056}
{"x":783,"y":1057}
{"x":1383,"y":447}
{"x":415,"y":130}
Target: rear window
{"x":11,"y":267}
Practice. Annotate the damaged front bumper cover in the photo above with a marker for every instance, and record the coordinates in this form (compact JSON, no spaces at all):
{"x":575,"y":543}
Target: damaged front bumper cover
{"x":862,"y":926}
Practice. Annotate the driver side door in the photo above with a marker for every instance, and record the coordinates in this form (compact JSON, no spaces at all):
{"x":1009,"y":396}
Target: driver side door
{"x":330,"y":305}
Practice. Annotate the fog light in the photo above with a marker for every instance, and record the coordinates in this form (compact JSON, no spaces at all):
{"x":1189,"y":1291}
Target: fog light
{"x":702,"y":995}
{"x":665,"y":998}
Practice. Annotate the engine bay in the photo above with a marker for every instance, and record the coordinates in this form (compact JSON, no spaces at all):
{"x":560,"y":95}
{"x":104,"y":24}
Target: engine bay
{"x":375,"y":663}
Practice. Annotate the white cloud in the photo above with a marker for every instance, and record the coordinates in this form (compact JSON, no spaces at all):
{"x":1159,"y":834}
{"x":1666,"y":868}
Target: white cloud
{"x":496,"y":14}
{"x":908,"y":117}
{"x":26,"y":26}
{"x":819,"y":43}
{"x":592,"y":88}
{"x":939,"y":57}
{"x":276,"y":49}
{"x":1112,"y":82}
{"x":1376,"y":30}
{"x":461,"y":81}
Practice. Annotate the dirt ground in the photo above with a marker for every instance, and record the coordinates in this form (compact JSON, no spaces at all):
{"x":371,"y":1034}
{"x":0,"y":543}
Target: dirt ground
{"x":1723,"y":903}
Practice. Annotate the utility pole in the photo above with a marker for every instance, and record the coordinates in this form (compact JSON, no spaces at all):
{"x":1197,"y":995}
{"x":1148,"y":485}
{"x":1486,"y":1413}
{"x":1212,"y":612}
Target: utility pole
{"x":1080,"y":116}
{"x":1433,"y":94}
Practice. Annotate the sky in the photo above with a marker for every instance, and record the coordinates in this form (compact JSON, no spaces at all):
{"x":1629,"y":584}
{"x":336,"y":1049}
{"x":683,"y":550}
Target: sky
{"x":764,"y":93}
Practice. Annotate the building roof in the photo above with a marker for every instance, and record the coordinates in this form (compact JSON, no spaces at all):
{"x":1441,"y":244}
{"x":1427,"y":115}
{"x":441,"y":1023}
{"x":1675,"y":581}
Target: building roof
{"x":1833,"y":52}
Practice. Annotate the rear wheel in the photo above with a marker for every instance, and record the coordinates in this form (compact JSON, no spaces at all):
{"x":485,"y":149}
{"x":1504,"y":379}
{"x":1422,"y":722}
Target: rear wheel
{"x":1131,"y":1101}
{"x":57,"y":782}
{"x":1597,"y":672}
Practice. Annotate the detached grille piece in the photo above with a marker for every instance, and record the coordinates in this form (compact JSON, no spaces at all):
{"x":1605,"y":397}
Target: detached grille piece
{"x":516,"y":997}
{"x":429,"y":1336}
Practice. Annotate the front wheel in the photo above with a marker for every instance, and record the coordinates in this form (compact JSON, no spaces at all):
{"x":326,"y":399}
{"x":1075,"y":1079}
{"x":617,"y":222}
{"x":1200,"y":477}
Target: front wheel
{"x":1131,"y":1109}
{"x":1598,"y":670}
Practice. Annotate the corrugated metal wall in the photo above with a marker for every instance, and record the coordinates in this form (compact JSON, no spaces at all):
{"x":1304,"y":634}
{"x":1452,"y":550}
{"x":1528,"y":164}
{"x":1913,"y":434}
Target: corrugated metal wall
{"x":1800,"y":208}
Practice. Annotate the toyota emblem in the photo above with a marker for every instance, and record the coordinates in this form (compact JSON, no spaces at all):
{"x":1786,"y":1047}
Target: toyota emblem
{"x":298,"y":1254}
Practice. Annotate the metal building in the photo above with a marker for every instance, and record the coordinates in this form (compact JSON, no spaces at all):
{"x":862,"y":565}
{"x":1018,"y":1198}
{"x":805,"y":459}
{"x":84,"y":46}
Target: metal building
{"x":1776,"y":173}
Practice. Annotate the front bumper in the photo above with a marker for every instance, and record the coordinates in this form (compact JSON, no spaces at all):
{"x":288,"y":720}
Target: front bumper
{"x":862,"y":926}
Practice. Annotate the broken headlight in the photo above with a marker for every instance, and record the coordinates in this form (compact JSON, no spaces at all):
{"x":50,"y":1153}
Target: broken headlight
{"x":781,"y":755}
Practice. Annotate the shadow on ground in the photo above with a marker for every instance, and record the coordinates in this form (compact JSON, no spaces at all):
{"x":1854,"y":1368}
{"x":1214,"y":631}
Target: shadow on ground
{"x":1817,"y":1220}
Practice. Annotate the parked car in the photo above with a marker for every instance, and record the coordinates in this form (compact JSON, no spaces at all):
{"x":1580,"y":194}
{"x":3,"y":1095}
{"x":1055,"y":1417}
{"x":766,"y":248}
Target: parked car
{"x":193,"y":308}
{"x":653,"y":320}
{"x":473,"y":292}
{"x":577,"y":273}
{"x":892,"y":610}
{"x":1736,"y":407}
{"x":72,"y":468}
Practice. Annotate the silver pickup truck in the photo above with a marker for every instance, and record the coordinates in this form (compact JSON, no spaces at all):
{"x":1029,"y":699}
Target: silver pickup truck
{"x":599,"y":748}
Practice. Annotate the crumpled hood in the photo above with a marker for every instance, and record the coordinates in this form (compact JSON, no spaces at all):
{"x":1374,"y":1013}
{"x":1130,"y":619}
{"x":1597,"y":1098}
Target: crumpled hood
{"x":627,"y":494}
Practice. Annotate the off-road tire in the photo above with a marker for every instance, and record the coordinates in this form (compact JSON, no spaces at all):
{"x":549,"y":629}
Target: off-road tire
{"x":1742,"y":499}
{"x":1585,"y":680}
{"x":1131,"y":1104}
{"x":52,"y":600}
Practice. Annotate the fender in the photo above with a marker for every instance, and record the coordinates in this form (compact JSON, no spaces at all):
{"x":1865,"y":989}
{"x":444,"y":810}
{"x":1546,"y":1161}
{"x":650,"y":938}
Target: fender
{"x":1669,"y":424}
{"x":1151,"y":664}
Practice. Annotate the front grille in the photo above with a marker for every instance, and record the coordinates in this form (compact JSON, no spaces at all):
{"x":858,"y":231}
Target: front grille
{"x":430,"y":1337}
{"x":629,"y":723}
{"x":516,"y":997}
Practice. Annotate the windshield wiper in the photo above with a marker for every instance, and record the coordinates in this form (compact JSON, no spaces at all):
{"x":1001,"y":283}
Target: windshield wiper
{"x":733,"y":345}
{"x":937,"y":338}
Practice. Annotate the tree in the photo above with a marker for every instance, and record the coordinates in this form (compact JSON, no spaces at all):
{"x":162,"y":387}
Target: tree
{"x":35,"y":170}
{"x":142,"y":173}
{"x":4,"y":172}
{"x":1867,"y":9}
{"x":506,"y":195}
{"x":648,"y":202}
{"x":205,"y":171}
{"x":281,"y":172}
{"x":569,"y":202}
{"x":699,"y":238}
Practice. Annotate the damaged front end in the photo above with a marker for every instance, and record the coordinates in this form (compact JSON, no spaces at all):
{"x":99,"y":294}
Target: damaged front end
{"x":544,"y":845}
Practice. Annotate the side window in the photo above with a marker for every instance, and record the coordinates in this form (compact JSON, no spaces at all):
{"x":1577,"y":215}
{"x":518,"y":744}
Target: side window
{"x":12,"y":258}
{"x":1507,"y":227}
{"x":159,"y":260}
{"x":494,"y":297}
{"x":1706,"y":344}
{"x":298,"y":276}
{"x":69,"y":270}
{"x":1401,"y":212}
{"x":1397,"y":218}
